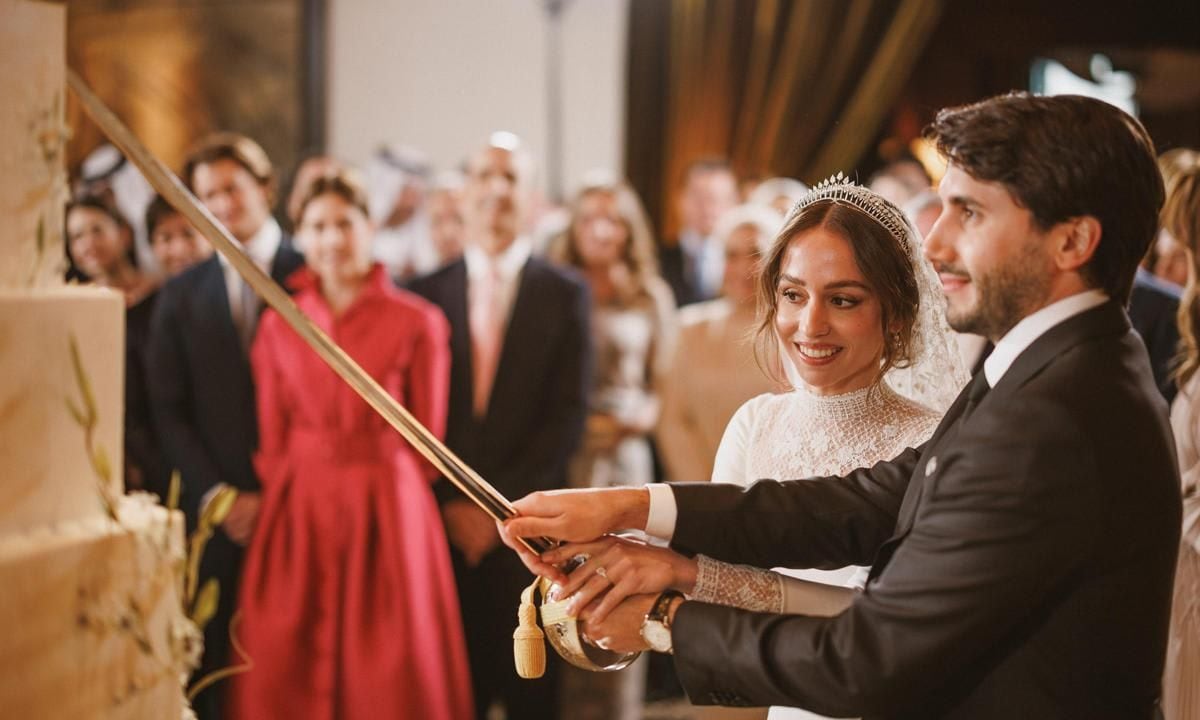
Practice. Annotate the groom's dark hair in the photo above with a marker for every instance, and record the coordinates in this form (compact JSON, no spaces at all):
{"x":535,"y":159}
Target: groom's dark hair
{"x":1064,"y":157}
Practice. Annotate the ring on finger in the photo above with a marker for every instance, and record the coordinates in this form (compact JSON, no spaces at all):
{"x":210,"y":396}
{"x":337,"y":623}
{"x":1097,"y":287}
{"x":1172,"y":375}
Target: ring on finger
{"x":602,"y":572}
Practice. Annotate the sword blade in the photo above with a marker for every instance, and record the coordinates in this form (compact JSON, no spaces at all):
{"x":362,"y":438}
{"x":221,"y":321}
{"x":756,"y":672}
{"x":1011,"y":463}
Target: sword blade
{"x":173,"y":190}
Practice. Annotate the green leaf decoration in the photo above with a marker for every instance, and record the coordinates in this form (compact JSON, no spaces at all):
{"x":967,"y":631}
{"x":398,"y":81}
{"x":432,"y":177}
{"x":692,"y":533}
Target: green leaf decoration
{"x":218,"y":508}
{"x":173,"y":491}
{"x":196,"y":544}
{"x":206,"y":603}
{"x":85,"y":385}
{"x":76,"y":413}
{"x":100,"y":463}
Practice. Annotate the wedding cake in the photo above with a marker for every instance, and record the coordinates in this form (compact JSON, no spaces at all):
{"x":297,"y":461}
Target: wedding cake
{"x":90,"y":609}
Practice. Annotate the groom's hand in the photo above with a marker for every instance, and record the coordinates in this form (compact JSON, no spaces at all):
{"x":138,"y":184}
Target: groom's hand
{"x":579,"y":515}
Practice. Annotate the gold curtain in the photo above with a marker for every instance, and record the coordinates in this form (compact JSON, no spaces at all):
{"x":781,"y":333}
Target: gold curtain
{"x":780,"y":87}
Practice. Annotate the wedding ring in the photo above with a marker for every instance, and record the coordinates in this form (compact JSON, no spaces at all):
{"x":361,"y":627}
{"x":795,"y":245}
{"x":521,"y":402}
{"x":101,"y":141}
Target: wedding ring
{"x":602,"y":572}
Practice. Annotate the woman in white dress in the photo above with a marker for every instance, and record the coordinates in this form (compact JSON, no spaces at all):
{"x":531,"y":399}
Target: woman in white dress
{"x":847,"y":298}
{"x":608,"y":241}
{"x":1181,"y":677}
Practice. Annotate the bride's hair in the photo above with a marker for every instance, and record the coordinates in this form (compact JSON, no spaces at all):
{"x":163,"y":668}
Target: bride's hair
{"x":880,"y":256}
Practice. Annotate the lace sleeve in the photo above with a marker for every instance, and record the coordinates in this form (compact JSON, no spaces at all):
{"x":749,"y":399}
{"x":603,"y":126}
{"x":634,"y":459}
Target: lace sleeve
{"x":739,"y":586}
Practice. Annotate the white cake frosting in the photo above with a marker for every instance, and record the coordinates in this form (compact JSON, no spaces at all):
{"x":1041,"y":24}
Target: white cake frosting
{"x":91,"y":611}
{"x":46,"y":453}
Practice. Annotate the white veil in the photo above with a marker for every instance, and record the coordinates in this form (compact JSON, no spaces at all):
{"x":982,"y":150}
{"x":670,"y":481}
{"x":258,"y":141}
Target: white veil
{"x":936,"y":373}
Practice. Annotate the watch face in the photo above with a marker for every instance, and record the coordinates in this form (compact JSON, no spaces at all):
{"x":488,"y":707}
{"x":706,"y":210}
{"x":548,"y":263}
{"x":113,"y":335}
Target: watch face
{"x":657,"y":636}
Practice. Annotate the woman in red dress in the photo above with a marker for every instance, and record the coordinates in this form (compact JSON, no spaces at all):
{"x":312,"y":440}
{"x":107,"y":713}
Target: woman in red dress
{"x":347,"y":598}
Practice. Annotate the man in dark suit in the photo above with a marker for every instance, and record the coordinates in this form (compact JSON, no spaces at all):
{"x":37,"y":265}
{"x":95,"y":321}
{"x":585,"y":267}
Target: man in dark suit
{"x":519,"y":343}
{"x":692,"y":265}
{"x":1152,"y":309}
{"x":1022,"y":559}
{"x":198,"y":375}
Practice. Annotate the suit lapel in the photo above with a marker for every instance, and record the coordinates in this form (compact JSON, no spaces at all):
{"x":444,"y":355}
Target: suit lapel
{"x":519,"y":334}
{"x":215,"y":296}
{"x":916,"y":483}
{"x":1105,"y":319}
{"x":454,"y":304}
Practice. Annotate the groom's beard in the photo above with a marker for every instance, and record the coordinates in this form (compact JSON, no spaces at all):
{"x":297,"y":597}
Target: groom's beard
{"x":1004,"y":295}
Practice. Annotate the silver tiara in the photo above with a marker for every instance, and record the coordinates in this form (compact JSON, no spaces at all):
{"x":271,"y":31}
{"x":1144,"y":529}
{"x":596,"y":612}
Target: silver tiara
{"x":841,"y":189}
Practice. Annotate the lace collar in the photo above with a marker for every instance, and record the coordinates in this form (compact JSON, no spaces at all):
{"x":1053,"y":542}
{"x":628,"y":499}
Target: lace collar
{"x":854,"y":405}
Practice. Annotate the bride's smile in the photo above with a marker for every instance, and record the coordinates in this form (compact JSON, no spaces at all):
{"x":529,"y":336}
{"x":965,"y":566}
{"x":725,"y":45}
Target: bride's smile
{"x":828,"y":314}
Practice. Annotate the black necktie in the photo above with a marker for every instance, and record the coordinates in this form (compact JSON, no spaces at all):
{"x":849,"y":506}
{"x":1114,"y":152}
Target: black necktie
{"x":978,"y":388}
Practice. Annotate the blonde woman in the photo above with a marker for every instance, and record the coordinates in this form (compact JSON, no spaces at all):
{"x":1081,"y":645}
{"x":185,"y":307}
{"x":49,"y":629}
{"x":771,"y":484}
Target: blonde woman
{"x":1181,"y":678}
{"x":633,"y":331}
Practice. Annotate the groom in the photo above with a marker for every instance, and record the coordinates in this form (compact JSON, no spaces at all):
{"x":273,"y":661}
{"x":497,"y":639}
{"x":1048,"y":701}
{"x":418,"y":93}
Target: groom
{"x":1021,"y":559}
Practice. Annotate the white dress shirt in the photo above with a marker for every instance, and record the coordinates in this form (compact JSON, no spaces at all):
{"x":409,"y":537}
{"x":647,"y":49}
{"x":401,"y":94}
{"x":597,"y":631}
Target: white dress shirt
{"x":1032,"y":327}
{"x":261,"y":248}
{"x":663,"y":512}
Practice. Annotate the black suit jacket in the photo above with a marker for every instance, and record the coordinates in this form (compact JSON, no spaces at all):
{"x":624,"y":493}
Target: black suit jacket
{"x":538,"y":406}
{"x":1152,"y":309}
{"x":1022,"y":559}
{"x":201,"y":391}
{"x":675,"y":268}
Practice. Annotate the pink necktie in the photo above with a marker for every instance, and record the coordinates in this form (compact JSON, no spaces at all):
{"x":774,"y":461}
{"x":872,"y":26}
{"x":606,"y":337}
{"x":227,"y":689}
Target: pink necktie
{"x":487,"y":329}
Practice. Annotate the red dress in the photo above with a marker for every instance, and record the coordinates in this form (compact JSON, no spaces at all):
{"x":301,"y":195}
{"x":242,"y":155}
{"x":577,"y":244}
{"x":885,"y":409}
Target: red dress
{"x":348,"y":601}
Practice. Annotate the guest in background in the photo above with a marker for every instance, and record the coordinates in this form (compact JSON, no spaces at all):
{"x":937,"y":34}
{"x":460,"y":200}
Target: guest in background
{"x":1153,"y":307}
{"x":1154,"y":302}
{"x":1181,"y":678}
{"x":713,"y":371}
{"x":309,"y":169}
{"x":397,"y":176}
{"x":692,"y":264}
{"x":201,"y":390}
{"x":778,"y":193}
{"x":900,"y":180}
{"x":518,"y":398}
{"x":633,"y":331}
{"x":107,"y":173}
{"x":100,"y":248}
{"x":444,"y":206}
{"x":923,"y":210}
{"x":177,"y":247}
{"x":176,"y":244}
{"x":348,"y":600}
{"x":1169,"y":259}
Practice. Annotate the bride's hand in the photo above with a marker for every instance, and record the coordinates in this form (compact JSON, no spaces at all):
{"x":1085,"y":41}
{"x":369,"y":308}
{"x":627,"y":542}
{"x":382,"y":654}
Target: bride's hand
{"x":617,"y":568}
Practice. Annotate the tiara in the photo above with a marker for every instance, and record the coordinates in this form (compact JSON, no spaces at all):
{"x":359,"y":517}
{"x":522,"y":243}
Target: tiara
{"x":841,"y":189}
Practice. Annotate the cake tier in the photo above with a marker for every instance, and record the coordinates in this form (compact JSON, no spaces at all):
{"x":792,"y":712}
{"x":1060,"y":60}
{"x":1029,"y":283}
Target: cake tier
{"x":92,"y":618}
{"x":32,"y":142}
{"x":56,"y":444}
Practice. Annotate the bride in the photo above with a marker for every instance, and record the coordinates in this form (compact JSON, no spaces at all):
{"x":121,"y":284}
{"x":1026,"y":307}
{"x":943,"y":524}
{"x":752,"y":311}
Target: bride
{"x":847,"y":298}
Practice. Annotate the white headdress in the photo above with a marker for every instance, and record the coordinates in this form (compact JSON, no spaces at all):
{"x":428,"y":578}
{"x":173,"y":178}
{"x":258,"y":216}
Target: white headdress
{"x":936,"y":373}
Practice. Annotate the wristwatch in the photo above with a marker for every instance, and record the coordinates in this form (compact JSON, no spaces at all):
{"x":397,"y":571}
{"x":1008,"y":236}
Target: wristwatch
{"x":656,"y":626}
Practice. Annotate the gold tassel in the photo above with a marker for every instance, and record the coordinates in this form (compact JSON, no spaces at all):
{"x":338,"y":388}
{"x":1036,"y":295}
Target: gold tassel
{"x":529,"y":647}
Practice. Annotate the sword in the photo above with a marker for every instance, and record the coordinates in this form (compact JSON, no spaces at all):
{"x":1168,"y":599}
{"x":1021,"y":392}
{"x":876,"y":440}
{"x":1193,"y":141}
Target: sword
{"x":169,"y":186}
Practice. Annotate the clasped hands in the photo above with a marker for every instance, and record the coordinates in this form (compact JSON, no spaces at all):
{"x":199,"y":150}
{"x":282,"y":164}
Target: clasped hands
{"x":614,"y":589}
